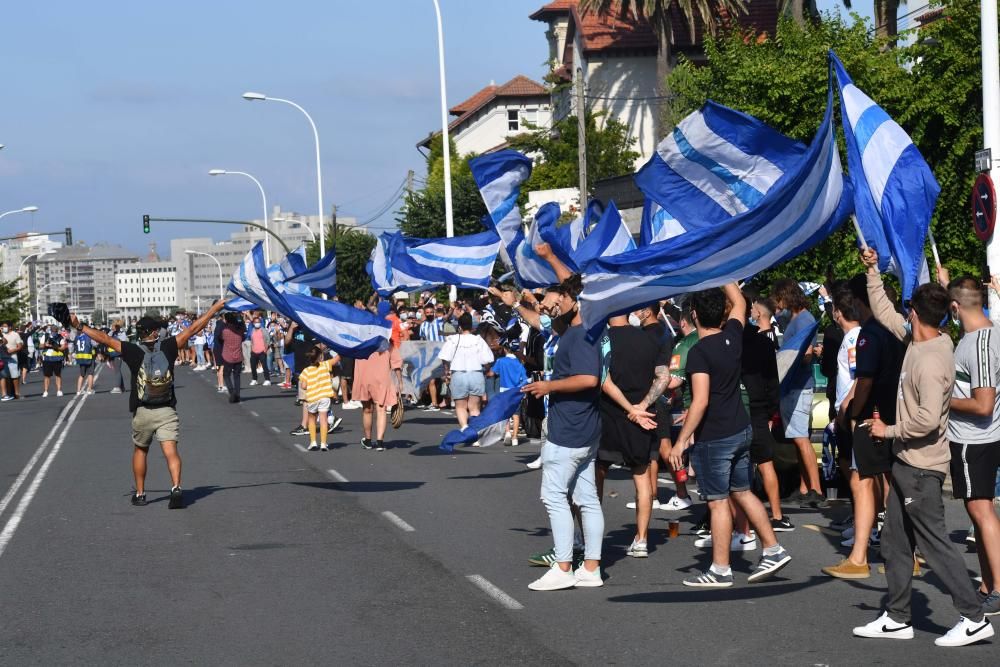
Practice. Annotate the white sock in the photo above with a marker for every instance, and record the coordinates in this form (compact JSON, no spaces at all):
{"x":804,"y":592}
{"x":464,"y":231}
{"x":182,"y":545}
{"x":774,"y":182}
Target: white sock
{"x":721,"y":571}
{"x":771,"y":551}
{"x":312,"y":444}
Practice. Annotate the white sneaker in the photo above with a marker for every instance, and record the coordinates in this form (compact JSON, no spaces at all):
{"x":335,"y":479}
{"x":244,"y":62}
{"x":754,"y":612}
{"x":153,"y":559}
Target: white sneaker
{"x":352,"y":405}
{"x":884,"y":627}
{"x":253,"y":383}
{"x":116,"y":390}
{"x":45,"y":394}
{"x":333,"y":422}
{"x":554,"y":580}
{"x":267,"y":383}
{"x":221,"y":390}
{"x":966,"y":632}
{"x":514,"y":442}
{"x":534,"y":465}
{"x":587,"y":579}
{"x":740,"y":542}
{"x":59,"y":393}
{"x":637,"y":550}
{"x":676,"y":504}
{"x":631,"y":505}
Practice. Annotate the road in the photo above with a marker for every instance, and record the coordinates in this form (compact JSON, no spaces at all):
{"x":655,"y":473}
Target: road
{"x":362,"y":557}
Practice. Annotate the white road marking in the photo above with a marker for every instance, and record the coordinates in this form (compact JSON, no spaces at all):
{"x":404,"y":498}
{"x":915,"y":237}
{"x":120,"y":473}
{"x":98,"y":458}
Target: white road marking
{"x":498,"y":595}
{"x":276,"y":429}
{"x":37,"y":455}
{"x":402,"y":525}
{"x":254,"y":413}
{"x":336,"y":476}
{"x":300,"y":447}
{"x":29,"y":494}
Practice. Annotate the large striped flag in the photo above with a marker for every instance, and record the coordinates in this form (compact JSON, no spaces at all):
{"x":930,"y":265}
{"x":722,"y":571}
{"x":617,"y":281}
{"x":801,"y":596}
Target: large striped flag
{"x":489,"y":426}
{"x":321,"y":276}
{"x":790,"y":354}
{"x":279,"y":273}
{"x":499,"y":177}
{"x":347,"y":330}
{"x":609,"y":237}
{"x":894,"y":189}
{"x":401,"y":263}
{"x":657,"y":224}
{"x":748,"y":198}
{"x":530,"y":270}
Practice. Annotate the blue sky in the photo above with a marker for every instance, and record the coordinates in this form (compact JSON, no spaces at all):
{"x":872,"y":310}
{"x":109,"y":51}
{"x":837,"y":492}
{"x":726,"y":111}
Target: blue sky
{"x":113,"y":109}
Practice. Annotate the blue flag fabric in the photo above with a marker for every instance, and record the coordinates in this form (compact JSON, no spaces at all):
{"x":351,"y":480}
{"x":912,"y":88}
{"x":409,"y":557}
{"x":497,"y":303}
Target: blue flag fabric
{"x":530,"y":270}
{"x":790,"y":354}
{"x":499,"y":177}
{"x":489,"y":427}
{"x":347,"y":330}
{"x":279,"y":274}
{"x":321,"y":276}
{"x":748,"y":198}
{"x":894,"y":189}
{"x":657,"y":224}
{"x":608,"y":238}
{"x":401,"y":263}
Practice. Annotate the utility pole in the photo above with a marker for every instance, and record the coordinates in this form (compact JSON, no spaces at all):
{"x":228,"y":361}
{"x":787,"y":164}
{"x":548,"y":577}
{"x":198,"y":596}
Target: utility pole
{"x":581,"y":141}
{"x":991,"y":125}
{"x":409,"y":181}
{"x":333,"y":221}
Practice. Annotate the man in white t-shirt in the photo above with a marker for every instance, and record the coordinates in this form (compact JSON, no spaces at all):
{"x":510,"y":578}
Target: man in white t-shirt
{"x":10,"y":345}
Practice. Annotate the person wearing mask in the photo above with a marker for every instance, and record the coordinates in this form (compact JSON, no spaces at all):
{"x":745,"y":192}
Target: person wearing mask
{"x":83,"y":352}
{"x":220,"y":325}
{"x":153,"y":408}
{"x":373,"y":386}
{"x":914,"y":517}
{"x":465,"y":357}
{"x":298,"y":341}
{"x":432,"y":329}
{"x":680,"y":401}
{"x":797,"y":391}
{"x":233,"y":336}
{"x":53,"y":355}
{"x":11,"y":346}
{"x":114,"y":358}
{"x":260,"y":343}
{"x":719,"y":427}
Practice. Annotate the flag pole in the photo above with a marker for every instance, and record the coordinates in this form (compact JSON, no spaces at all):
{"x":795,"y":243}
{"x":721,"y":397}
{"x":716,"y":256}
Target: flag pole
{"x":861,"y":236}
{"x":930,"y":237}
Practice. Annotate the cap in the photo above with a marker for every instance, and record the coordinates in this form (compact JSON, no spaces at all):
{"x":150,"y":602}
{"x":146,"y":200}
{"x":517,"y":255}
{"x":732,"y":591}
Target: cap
{"x":148,"y":324}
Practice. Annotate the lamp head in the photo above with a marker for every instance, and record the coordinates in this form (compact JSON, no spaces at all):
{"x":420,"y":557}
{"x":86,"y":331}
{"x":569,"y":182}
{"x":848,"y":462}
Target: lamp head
{"x":216,"y":172}
{"x":254,"y":96}
{"x":29,"y":209}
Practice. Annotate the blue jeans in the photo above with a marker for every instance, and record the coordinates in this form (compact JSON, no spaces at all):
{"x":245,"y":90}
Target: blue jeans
{"x":723,"y":465}
{"x":569,"y":472}
{"x":199,"y":351}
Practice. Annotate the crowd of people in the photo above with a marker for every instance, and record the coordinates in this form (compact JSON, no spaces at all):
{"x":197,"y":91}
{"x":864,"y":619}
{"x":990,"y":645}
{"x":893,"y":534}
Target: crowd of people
{"x":691,"y":385}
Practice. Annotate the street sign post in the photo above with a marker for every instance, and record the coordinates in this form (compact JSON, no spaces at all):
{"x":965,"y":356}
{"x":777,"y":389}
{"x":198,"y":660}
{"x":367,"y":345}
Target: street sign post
{"x":983,"y":207}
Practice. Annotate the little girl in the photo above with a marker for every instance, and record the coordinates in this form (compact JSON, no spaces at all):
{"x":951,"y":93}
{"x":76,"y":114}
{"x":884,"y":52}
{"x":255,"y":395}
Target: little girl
{"x":316,"y":382}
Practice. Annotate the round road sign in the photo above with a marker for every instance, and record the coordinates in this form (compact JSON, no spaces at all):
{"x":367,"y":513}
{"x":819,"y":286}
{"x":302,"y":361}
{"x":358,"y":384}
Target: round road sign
{"x":984,"y":207}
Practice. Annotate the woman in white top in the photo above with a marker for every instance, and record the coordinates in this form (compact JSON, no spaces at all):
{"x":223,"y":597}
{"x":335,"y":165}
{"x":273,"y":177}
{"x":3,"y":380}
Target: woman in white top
{"x":465,"y":355}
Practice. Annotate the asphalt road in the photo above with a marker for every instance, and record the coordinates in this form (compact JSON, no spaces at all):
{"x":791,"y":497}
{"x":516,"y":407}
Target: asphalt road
{"x":362,"y":557}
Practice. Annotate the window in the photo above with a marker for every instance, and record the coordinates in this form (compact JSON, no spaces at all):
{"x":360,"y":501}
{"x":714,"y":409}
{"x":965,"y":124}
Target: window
{"x":531,"y":116}
{"x":512,"y":120}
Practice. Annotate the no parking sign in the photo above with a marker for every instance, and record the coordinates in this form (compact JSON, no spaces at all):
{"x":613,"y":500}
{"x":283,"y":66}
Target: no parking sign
{"x":984,"y":207}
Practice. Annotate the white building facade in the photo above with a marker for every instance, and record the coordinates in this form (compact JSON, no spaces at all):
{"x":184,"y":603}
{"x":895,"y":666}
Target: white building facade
{"x":145,"y":287}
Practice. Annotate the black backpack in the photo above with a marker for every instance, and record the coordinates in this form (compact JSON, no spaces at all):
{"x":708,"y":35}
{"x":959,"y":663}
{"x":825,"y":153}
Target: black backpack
{"x":154,"y":383}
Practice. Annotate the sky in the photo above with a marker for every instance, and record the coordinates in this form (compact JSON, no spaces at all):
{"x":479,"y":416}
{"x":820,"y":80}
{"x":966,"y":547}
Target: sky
{"x":116,"y":108}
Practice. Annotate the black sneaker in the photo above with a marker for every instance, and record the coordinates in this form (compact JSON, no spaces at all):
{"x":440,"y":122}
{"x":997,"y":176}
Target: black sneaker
{"x":299,"y":430}
{"x":176,"y":499}
{"x":139,"y":500}
{"x":366,"y":443}
{"x":813,"y":500}
{"x":702,"y":528}
{"x":379,"y":446}
{"x":782,"y":525}
{"x":796,"y":496}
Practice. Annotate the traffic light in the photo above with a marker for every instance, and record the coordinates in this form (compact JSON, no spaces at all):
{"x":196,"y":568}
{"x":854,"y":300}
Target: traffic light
{"x":145,"y":224}
{"x":69,"y":236}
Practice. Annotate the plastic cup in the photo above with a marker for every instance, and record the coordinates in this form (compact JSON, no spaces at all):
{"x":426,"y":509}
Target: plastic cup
{"x":831,"y":493}
{"x":674,"y":527}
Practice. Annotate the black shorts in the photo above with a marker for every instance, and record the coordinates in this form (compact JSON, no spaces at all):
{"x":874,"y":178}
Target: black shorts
{"x":974,"y":470}
{"x":50,"y":368}
{"x":762,"y":443}
{"x":664,"y":420}
{"x":626,"y":443}
{"x":347,"y":368}
{"x":86,"y":369}
{"x":870,"y":457}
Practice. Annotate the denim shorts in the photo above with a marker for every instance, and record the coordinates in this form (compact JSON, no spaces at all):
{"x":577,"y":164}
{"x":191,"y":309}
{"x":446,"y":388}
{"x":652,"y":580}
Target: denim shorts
{"x":467,"y":383}
{"x":796,"y":413}
{"x":723,"y":465}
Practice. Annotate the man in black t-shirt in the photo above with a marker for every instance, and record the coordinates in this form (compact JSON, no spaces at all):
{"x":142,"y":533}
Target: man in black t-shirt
{"x":718,"y":426}
{"x":159,"y":420}
{"x":298,"y":342}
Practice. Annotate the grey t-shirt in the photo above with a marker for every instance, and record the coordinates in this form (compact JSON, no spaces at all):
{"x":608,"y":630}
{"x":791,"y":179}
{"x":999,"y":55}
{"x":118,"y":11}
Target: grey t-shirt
{"x":977,"y":364}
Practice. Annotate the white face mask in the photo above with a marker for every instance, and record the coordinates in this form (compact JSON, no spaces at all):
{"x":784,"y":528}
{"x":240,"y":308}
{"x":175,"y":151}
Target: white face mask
{"x":634,"y":320}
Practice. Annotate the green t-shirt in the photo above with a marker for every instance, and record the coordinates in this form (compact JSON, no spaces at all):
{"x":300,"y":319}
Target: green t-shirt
{"x":678,"y":365}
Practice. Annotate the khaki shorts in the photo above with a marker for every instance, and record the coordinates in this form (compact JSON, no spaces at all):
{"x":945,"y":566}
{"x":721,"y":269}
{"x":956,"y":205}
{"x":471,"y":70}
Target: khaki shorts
{"x":159,"y":422}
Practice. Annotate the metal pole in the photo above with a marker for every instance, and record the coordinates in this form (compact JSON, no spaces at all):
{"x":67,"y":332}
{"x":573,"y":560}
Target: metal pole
{"x":224,"y":222}
{"x":198,"y":252}
{"x":991,"y":125}
{"x":449,"y":216}
{"x":581,"y":142}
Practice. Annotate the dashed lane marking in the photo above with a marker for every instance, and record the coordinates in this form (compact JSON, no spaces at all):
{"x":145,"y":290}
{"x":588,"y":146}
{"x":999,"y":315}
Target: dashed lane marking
{"x":498,"y":595}
{"x":399,"y":523}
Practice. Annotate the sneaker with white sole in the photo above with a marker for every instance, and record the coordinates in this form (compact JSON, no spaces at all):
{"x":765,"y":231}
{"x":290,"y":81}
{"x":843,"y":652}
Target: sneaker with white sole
{"x":514,"y":442}
{"x":884,"y":627}
{"x":59,"y":393}
{"x":534,"y":465}
{"x":676,"y":504}
{"x":334,"y":422}
{"x":253,"y":383}
{"x":740,"y":542}
{"x":768,"y":566}
{"x":352,"y":405}
{"x":324,"y":447}
{"x":637,"y":550}
{"x":587,"y":579}
{"x":45,"y":394}
{"x":966,"y":632}
{"x":267,"y":383}
{"x":709,"y":579}
{"x":554,"y":580}
{"x":313,"y":447}
{"x":631,"y":505}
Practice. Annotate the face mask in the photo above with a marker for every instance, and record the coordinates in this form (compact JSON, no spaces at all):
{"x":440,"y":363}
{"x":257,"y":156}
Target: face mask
{"x":753,"y":321}
{"x":256,"y":325}
{"x":5,"y":329}
{"x":783,"y":314}
{"x":634,"y":320}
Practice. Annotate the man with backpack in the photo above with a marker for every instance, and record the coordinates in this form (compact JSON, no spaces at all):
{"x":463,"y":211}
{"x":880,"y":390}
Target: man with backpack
{"x":152,"y":401}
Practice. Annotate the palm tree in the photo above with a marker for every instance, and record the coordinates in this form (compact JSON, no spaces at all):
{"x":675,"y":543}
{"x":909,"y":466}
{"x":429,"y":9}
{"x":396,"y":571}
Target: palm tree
{"x":886,"y":15}
{"x":658,"y":13}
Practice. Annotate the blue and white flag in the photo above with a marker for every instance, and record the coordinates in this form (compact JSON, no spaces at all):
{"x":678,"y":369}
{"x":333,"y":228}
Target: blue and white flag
{"x":748,"y":198}
{"x":400,"y":263}
{"x":564,"y":239}
{"x":894,"y":189}
{"x":657,"y":224}
{"x":530,"y":270}
{"x":321,"y":276}
{"x":491,"y":424}
{"x":790,"y":354}
{"x":609,"y":237}
{"x":499,"y":177}
{"x":279,"y":273}
{"x":347,"y":330}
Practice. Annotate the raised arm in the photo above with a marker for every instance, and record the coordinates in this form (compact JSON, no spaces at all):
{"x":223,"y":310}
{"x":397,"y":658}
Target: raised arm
{"x":200,"y":323}
{"x":738,"y":301}
{"x":882,"y":308}
{"x":544,"y":250}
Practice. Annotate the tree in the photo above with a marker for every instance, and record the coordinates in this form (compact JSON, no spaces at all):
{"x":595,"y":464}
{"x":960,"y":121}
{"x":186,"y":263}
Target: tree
{"x":354,"y":248}
{"x":12,"y":304}
{"x":886,"y":14}
{"x":784,"y":82}
{"x":659,"y":13}
{"x":609,"y":153}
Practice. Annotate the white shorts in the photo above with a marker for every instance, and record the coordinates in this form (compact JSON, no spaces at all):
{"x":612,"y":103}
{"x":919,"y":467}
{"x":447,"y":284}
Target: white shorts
{"x":322,"y":405}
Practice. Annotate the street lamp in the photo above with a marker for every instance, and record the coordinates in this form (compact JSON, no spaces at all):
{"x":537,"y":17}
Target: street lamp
{"x":250,"y":97}
{"x":38,"y":295}
{"x":267,"y":237}
{"x":222,"y":293}
{"x":24,"y":261}
{"x":26,"y":209}
{"x":312,"y":234}
{"x":449,"y":217}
